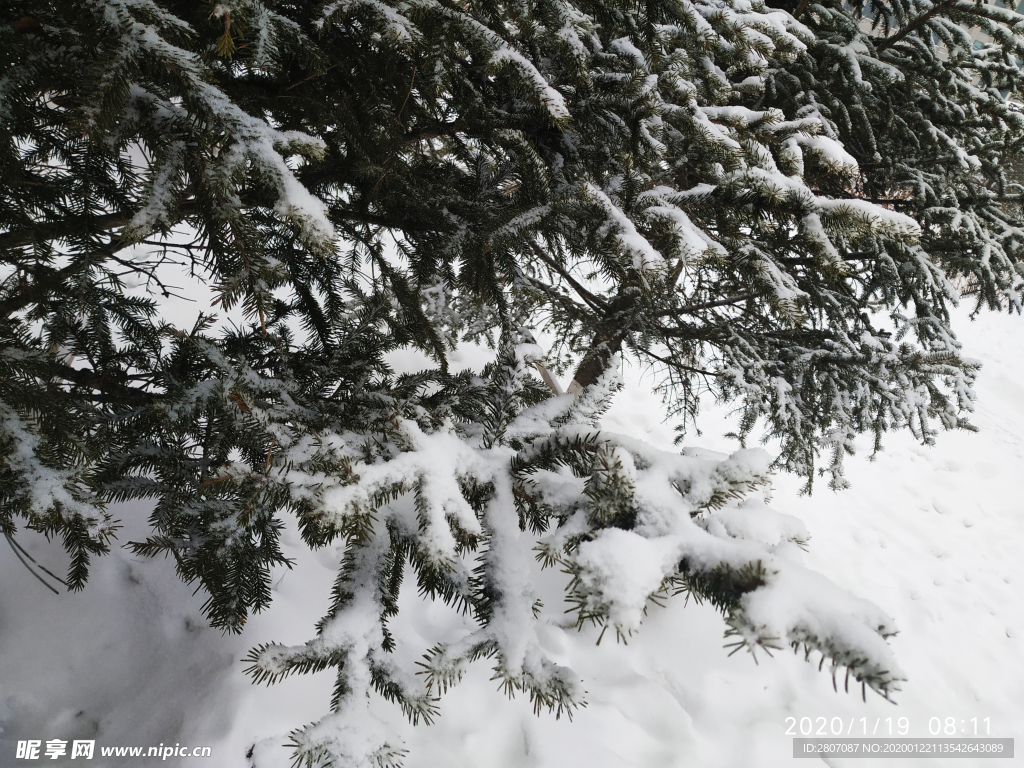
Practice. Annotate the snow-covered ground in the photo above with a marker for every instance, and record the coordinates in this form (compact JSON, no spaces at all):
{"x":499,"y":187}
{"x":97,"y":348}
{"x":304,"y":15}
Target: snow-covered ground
{"x":934,"y":536}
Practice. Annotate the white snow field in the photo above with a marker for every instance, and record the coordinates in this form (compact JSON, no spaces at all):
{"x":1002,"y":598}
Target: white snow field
{"x":933,"y":535}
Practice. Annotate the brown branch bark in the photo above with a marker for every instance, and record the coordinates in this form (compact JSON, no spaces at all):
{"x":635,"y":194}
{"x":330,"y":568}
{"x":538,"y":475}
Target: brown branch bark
{"x":606,"y":343}
{"x":613,"y":331}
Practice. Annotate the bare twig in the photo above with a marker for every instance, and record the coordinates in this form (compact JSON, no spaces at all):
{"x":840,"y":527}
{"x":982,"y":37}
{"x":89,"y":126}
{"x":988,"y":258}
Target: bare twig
{"x":16,"y":547}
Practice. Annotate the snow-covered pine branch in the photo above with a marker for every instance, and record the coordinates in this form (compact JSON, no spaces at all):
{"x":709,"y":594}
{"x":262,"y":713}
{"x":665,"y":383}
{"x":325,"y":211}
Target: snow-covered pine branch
{"x":466,"y":509}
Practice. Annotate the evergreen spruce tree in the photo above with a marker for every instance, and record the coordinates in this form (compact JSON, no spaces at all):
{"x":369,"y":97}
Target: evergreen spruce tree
{"x":774,"y":203}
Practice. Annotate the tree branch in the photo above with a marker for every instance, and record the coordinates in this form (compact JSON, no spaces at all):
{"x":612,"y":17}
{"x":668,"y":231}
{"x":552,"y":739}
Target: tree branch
{"x":607,"y":342}
{"x":58,"y":229}
{"x":110,"y":391}
{"x":859,"y":256}
{"x":689,"y":309}
{"x":913,"y":26}
{"x":674,"y":364}
{"x":36,"y":291}
{"x":801,"y":8}
{"x":297,"y":83}
{"x":593,"y":301}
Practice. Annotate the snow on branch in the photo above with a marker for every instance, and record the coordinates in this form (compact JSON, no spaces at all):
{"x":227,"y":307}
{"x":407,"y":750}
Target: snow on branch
{"x":628,"y":523}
